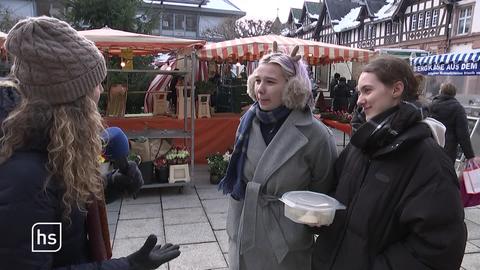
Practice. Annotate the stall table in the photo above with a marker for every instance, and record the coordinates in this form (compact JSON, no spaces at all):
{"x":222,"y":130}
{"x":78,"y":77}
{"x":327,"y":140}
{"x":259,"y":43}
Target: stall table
{"x":215,"y":134}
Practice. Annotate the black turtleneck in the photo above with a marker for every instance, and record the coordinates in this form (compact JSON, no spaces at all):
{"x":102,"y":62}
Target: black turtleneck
{"x":269,"y":130}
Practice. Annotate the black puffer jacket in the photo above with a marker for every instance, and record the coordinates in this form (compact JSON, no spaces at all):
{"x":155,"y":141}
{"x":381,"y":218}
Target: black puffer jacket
{"x":341,"y":93}
{"x":403,"y":204}
{"x":24,"y":202}
{"x":451,"y":113}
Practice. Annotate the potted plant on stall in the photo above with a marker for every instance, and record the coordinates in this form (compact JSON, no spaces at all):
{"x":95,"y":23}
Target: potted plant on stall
{"x":178,"y":158}
{"x":217,"y":166}
{"x":161,"y":169}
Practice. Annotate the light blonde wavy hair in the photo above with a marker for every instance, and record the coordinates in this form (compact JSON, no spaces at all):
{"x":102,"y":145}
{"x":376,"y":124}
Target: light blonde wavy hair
{"x":298,"y":90}
{"x":72,"y":139}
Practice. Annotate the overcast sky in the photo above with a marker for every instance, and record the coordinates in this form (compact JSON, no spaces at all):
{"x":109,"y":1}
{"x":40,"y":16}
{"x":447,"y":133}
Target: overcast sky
{"x":267,"y":9}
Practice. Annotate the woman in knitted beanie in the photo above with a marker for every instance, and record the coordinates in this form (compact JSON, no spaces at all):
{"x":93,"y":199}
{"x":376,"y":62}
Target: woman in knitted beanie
{"x":49,"y":156}
{"x":279,"y":147}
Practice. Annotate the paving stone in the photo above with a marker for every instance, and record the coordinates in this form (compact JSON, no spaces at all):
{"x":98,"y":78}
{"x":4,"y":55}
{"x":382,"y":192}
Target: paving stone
{"x":185,"y":201}
{"x":136,"y":211}
{"x":114,"y":206}
{"x":222,"y":239}
{"x":144,"y":196}
{"x":473,"y":230}
{"x":174,"y":191}
{"x":218,"y":220}
{"x":216,"y":205}
{"x":111,"y":232}
{"x":199,"y":257}
{"x":125,"y":247}
{"x":184,"y":216}
{"x":225,"y":256}
{"x":475,"y":242}
{"x":473,"y":214}
{"x":112,"y":217}
{"x":471,"y":248}
{"x":471,"y":261}
{"x":210,"y":193}
{"x":132,"y":228}
{"x":189,"y":233}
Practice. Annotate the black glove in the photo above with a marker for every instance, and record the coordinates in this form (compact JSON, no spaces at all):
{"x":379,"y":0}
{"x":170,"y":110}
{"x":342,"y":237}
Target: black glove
{"x":131,"y":182}
{"x":150,"y":257}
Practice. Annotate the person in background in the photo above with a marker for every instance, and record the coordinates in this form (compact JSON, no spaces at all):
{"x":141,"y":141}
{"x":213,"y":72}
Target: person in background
{"x":403,"y":206}
{"x":50,"y":157}
{"x":333,"y":83}
{"x":9,"y":97}
{"x":279,"y":147}
{"x":341,"y":93}
{"x":446,"y":109}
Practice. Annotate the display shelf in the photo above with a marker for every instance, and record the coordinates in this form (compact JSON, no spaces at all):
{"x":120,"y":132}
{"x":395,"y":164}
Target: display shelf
{"x":159,"y":134}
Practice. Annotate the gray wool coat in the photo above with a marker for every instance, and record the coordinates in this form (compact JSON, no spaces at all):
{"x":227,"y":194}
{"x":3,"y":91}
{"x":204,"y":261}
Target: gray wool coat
{"x":299,"y":157}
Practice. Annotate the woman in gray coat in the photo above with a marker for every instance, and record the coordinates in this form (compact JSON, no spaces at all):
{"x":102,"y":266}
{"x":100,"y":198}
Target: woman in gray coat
{"x":279,"y":147}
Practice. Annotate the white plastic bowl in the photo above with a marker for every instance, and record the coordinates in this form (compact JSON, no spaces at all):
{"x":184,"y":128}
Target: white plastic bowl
{"x":311,"y":208}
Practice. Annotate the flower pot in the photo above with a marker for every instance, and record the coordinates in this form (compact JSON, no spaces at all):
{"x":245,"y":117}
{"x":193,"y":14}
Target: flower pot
{"x":161,"y":174}
{"x":215,"y":179}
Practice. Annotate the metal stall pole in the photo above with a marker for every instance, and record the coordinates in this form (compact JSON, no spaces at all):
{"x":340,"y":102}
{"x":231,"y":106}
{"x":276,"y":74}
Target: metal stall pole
{"x":192,"y":94}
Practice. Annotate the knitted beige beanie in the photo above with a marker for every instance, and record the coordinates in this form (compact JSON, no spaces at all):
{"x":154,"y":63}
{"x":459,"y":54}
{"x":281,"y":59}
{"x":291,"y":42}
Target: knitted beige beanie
{"x":52,"y":61}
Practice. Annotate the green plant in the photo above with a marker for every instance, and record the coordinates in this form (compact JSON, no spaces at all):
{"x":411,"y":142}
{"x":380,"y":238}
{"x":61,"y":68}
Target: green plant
{"x":177,"y":155}
{"x":218,"y":163}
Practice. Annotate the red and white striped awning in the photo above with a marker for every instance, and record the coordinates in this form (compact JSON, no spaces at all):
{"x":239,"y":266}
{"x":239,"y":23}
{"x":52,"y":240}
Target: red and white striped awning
{"x":253,"y":48}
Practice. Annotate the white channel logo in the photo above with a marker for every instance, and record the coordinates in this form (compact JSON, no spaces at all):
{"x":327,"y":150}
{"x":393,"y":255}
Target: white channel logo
{"x":46,"y":237}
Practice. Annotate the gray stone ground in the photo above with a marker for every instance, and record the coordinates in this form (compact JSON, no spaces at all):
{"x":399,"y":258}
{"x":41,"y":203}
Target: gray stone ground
{"x":195,"y":219}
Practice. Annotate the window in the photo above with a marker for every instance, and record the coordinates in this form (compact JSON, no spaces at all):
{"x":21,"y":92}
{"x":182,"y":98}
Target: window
{"x":388,"y":29}
{"x":414,"y":22}
{"x":167,"y":22}
{"x":420,"y":20}
{"x":360,"y":34}
{"x":428,"y":15}
{"x":435,"y":17}
{"x":373,"y":29}
{"x":179,"y":22}
{"x":191,"y":23}
{"x":464,"y":21}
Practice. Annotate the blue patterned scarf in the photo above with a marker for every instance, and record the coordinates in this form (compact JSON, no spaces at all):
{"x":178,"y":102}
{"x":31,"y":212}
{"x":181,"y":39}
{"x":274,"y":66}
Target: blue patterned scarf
{"x":232,"y":182}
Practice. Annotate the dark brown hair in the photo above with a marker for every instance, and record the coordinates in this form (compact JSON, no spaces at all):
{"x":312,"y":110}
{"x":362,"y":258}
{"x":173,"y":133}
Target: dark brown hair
{"x":390,"y":70}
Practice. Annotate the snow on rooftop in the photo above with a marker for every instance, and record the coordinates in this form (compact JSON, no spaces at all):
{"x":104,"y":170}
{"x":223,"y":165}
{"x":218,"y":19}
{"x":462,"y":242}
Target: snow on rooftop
{"x":313,"y":16}
{"x":348,"y":21}
{"x":387,"y":10}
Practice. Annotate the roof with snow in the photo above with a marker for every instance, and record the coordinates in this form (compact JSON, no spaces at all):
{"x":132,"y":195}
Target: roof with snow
{"x":344,"y":13}
{"x":313,"y":9}
{"x":381,"y":9}
{"x":294,"y":16}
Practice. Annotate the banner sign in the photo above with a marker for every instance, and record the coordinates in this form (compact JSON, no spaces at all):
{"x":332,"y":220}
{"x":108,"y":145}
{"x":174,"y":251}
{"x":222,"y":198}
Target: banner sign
{"x":451,"y":69}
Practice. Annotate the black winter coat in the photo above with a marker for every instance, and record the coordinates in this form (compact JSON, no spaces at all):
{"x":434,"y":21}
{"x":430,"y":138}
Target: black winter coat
{"x":24,"y":202}
{"x":451,"y":113}
{"x":403,"y":203}
{"x":341,"y":93}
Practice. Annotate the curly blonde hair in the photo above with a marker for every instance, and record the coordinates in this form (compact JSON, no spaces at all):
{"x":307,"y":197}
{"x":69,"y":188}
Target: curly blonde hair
{"x":298,"y":91}
{"x":71,"y":134}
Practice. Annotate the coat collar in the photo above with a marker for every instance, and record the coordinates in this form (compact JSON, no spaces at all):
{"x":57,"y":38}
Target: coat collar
{"x":288,"y":141}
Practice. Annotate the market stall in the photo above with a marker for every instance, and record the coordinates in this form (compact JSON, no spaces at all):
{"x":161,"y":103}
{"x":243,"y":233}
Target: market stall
{"x":126,"y":44}
{"x":253,"y":48}
{"x":113,"y":41}
{"x":461,"y":69}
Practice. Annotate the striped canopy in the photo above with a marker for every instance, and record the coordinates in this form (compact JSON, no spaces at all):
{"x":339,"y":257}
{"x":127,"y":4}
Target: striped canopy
{"x":253,"y":48}
{"x":468,"y":57}
{"x":112,"y":41}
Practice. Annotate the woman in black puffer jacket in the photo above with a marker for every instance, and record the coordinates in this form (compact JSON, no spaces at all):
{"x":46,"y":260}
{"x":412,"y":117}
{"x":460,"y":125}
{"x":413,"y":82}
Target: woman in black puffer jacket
{"x":403,"y":207}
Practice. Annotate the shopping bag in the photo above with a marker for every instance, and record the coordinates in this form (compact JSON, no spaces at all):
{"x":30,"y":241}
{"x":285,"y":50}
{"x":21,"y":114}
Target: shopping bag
{"x":468,"y":199}
{"x":471,"y":177}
